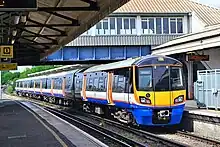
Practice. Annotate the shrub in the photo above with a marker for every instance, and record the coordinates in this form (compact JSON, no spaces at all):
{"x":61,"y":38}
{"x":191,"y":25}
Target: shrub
{"x":9,"y":89}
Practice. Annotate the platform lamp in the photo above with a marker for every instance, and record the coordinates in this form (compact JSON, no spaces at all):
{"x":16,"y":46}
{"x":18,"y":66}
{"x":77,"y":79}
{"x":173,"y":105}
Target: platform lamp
{"x":16,"y":20}
{"x":12,"y":41}
{"x":14,"y":33}
{"x":23,"y":18}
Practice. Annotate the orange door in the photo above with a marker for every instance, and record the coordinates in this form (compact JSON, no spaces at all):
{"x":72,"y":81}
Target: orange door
{"x":84,"y":88}
{"x":109,"y":88}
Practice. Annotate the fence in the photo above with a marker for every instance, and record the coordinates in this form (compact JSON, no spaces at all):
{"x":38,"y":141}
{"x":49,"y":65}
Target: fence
{"x":207,"y":89}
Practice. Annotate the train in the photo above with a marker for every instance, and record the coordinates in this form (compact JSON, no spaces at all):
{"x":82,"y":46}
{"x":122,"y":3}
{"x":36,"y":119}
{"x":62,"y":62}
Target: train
{"x":147,"y":91}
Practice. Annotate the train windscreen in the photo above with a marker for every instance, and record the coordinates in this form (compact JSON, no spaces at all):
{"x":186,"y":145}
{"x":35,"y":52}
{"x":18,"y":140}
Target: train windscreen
{"x":160,"y":78}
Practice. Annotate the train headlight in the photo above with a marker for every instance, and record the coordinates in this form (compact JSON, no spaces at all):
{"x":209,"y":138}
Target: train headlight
{"x":145,"y":100}
{"x":179,"y":99}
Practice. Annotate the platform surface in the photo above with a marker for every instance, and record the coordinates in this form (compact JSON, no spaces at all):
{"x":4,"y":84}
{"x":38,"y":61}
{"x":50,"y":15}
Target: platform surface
{"x":32,"y":126}
{"x":191,"y":107}
{"x":19,"y":128}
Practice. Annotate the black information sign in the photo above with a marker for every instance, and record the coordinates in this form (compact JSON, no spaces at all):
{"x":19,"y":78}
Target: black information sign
{"x":198,"y":57}
{"x":14,"y":5}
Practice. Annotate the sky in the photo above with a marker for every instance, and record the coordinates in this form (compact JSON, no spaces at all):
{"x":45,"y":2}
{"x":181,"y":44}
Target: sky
{"x":215,"y":3}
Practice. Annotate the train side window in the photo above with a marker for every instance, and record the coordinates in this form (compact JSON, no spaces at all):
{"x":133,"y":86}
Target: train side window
{"x":28,"y":84}
{"x":95,"y":84}
{"x":68,"y":82}
{"x":37,"y":84}
{"x":77,"y":85}
{"x":31,"y":84}
{"x":48,"y":83}
{"x":59,"y":83}
{"x":44,"y":83}
{"x":115,"y":83}
{"x":121,"y":84}
{"x":101,"y":86}
{"x":89,"y":85}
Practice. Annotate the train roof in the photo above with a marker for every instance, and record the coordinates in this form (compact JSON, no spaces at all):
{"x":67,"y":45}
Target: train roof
{"x":139,"y":61}
{"x":31,"y":78}
{"x":49,"y":75}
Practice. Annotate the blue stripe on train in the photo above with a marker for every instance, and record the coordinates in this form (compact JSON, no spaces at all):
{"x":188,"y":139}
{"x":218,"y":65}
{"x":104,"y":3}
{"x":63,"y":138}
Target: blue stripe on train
{"x":43,"y":93}
{"x":144,"y":114}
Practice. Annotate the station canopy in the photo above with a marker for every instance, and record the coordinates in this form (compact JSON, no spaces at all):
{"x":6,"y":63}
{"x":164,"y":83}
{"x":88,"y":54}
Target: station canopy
{"x":37,"y":30}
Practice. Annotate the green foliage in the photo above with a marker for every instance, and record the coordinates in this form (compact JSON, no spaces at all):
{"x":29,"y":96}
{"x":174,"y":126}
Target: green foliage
{"x":9,"y":89}
{"x":10,"y":78}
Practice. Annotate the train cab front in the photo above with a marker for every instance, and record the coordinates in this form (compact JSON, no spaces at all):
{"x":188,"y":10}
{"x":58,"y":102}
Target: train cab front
{"x":160,"y":94}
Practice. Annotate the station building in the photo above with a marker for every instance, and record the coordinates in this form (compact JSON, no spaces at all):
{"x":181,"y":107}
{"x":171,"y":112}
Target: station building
{"x":137,"y":27}
{"x":142,"y":27}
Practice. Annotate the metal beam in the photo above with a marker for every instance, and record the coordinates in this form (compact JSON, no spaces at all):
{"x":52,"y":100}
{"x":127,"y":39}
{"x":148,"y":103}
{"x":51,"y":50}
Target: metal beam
{"x":39,"y":35}
{"x":38,"y":25}
{"x":37,"y":43}
{"x":50,"y":27}
{"x":74,"y":21}
{"x":36,"y":35}
{"x":90,"y":8}
{"x":32,"y":42}
{"x":90,"y":2}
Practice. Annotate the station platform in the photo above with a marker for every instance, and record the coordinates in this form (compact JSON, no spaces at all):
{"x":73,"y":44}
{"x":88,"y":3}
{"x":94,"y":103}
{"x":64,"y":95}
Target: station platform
{"x":203,"y":122}
{"x":191,"y":107}
{"x":32,"y":126}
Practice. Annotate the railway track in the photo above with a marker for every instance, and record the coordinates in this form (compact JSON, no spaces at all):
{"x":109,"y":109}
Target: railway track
{"x":112,"y":138}
{"x":145,"y":137}
{"x":128,"y":136}
{"x":199,"y":138}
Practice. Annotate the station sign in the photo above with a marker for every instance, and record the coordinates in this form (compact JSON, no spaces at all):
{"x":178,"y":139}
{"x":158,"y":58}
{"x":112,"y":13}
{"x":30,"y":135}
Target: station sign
{"x":8,"y":66}
{"x":6,"y":51}
{"x":197,"y":57}
{"x":17,"y":5}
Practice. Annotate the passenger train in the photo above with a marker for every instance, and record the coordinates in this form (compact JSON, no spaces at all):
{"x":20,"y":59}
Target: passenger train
{"x":147,"y":90}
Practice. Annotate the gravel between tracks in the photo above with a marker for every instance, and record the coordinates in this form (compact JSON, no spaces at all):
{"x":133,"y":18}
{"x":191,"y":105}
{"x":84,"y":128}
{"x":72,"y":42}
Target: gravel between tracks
{"x":185,"y":140}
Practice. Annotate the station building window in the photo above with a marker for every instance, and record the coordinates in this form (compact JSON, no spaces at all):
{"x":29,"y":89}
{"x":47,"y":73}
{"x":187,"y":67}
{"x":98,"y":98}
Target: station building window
{"x":148,"y":26}
{"x":162,"y":25}
{"x":116,"y":26}
{"x":158,"y":26}
{"x":102,"y":27}
{"x":179,"y":25}
{"x":166,"y":28}
{"x":172,"y":25}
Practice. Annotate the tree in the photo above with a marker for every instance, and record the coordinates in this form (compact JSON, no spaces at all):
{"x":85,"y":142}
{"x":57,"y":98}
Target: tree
{"x":8,"y":77}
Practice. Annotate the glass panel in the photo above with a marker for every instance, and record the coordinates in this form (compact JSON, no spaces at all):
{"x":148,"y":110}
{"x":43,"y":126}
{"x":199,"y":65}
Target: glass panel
{"x":112,"y":23}
{"x":132,"y":23}
{"x":126,"y":23}
{"x":99,"y":25}
{"x":95,"y":86}
{"x":165,"y":26}
{"x":158,"y":26}
{"x":151,"y":26}
{"x":179,"y":25}
{"x":105,"y":24}
{"x":144,"y":24}
{"x":144,"y":79}
{"x":119,"y":25}
{"x":173,"y":25}
{"x":176,"y":75}
{"x":161,"y":78}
